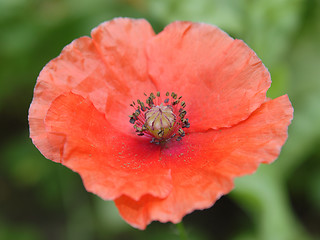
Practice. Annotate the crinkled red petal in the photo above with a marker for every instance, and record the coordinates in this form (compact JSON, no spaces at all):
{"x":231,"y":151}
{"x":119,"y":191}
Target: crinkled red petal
{"x":77,"y":65}
{"x":221,"y":79}
{"x":97,"y":69}
{"x":121,"y":44}
{"x":111,"y":164}
{"x":203,"y":165}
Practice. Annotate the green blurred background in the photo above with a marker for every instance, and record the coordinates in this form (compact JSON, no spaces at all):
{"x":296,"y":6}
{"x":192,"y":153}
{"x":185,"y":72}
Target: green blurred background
{"x":43,"y":200}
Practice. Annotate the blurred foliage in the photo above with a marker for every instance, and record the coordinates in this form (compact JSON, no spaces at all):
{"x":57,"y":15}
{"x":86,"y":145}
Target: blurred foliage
{"x":43,"y":200}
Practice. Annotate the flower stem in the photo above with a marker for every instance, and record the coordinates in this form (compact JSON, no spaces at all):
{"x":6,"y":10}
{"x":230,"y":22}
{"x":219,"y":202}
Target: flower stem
{"x":182,"y":231}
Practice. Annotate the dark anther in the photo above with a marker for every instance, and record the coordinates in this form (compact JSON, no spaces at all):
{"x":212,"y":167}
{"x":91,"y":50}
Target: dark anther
{"x":181,"y":132}
{"x":143,"y":108}
{"x":187,"y":125}
{"x":137,"y":112}
{"x":140,"y":134}
{"x":175,"y":102}
{"x":183,"y":113}
{"x":166,"y":100}
{"x":152,"y":96}
{"x":179,"y":139}
{"x":132,"y":120}
{"x":173,"y":95}
{"x":167,"y":94}
{"x":183,"y":104}
{"x":158,"y":94}
{"x":149,"y":101}
{"x":133,"y":115}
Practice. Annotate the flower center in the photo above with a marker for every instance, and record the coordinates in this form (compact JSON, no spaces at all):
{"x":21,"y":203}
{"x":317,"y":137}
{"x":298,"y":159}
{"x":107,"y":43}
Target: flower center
{"x":160,"y":119}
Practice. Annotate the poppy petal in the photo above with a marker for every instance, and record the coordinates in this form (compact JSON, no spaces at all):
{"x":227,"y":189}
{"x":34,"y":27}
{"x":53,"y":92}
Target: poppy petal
{"x":221,"y":79}
{"x":78,"y":63}
{"x":82,"y":68}
{"x":203,"y":165}
{"x":110,"y":163}
{"x":121,"y":44}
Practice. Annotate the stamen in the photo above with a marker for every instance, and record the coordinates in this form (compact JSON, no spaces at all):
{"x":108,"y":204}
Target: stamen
{"x":176,"y":102}
{"x":160,"y":120}
{"x":181,"y":132}
{"x":137,"y":112}
{"x":183,"y":113}
{"x":173,"y":95}
{"x":132,"y":120}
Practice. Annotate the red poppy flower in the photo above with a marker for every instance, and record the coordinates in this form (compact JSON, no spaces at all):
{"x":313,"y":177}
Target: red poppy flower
{"x":197,"y":107}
